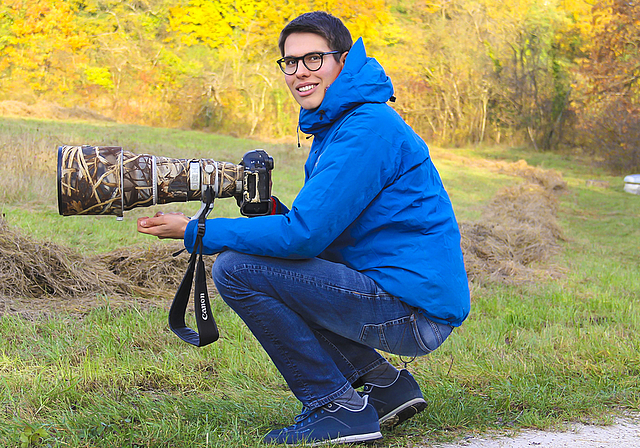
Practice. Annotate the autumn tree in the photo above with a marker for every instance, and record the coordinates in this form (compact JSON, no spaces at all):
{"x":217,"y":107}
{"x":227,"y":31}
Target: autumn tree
{"x":432,"y":57}
{"x":608,"y":85}
{"x":132,"y":71}
{"x":41,"y":45}
{"x":481,"y":70}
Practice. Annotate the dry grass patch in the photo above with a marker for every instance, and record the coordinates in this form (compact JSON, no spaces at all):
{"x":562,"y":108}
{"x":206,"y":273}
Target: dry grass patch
{"x":151,"y":271}
{"x":32,"y":269}
{"x":519,"y":232}
{"x":550,"y":180}
{"x":38,"y":275}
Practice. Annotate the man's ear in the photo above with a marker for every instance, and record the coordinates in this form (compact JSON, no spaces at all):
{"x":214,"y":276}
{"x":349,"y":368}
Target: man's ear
{"x":343,"y":57}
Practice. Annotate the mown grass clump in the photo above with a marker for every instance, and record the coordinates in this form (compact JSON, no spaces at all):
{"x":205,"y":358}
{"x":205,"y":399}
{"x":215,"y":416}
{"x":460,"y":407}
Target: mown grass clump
{"x":31,"y":269}
{"x":41,"y":275}
{"x":517,"y":235}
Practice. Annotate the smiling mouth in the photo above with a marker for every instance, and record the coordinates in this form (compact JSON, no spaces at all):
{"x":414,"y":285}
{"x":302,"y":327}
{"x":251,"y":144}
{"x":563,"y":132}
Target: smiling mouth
{"x":306,"y":88}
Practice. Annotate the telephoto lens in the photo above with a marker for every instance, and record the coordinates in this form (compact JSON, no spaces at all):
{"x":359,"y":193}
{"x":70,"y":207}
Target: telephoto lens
{"x":107,"y":180}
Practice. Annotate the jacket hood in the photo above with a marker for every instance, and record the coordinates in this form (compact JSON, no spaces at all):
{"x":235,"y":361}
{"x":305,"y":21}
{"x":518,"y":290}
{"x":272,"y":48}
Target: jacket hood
{"x":362,"y":80}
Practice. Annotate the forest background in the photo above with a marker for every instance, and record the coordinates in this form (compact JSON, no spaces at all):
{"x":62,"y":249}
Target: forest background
{"x":561,"y":75}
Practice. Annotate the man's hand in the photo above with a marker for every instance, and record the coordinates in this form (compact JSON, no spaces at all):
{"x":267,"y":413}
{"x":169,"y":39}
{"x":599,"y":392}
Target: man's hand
{"x":170,"y":225}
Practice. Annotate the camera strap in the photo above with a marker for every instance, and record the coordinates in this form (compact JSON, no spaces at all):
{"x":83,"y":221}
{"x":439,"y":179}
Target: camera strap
{"x":207,"y":328}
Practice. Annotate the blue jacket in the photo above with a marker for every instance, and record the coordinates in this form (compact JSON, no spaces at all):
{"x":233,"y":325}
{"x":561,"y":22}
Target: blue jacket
{"x":372,"y":200}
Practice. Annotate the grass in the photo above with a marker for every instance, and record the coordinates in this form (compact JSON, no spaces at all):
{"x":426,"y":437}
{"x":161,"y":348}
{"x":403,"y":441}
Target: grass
{"x":532,"y":355}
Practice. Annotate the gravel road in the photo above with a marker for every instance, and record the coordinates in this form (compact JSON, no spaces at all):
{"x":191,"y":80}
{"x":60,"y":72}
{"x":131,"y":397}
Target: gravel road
{"x":623,"y":433}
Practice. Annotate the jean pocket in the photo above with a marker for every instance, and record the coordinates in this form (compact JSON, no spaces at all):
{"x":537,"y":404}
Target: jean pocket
{"x":413,"y":335}
{"x":431,"y":334}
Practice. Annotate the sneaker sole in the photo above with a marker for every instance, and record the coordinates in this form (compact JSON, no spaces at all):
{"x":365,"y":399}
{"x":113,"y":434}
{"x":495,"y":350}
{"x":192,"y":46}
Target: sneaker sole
{"x":403,"y":413}
{"x":352,"y":439}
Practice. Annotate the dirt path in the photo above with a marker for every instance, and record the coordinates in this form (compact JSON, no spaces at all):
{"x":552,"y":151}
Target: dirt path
{"x":624,"y":433}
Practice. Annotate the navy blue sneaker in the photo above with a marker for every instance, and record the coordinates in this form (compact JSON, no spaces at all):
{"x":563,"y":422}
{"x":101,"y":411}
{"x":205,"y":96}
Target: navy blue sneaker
{"x":331,"y":423}
{"x":397,"y":402}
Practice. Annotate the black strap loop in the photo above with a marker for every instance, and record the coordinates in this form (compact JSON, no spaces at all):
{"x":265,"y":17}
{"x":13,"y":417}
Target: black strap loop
{"x":207,"y":328}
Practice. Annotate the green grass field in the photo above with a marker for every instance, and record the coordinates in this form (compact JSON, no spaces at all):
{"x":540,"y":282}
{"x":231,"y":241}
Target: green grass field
{"x":530,"y":355}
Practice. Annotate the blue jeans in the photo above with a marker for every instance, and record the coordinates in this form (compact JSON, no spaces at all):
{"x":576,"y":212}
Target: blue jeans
{"x":320,"y":322}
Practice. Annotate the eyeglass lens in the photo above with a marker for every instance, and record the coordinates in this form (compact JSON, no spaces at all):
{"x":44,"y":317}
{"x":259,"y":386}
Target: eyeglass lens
{"x":312,"y":61}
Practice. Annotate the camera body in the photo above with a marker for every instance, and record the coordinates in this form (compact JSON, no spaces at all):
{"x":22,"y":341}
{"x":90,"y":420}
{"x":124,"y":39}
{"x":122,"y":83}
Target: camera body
{"x":256,"y":184}
{"x":107,"y":180}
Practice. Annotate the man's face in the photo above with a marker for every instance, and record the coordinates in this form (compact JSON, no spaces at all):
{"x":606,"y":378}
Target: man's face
{"x":307,"y":87}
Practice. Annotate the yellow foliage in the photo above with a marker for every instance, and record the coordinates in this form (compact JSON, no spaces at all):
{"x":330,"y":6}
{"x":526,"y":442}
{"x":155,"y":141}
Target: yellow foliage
{"x":203,"y":21}
{"x":45,"y":37}
{"x":100,"y":76}
{"x":230,"y":23}
{"x":580,"y":23}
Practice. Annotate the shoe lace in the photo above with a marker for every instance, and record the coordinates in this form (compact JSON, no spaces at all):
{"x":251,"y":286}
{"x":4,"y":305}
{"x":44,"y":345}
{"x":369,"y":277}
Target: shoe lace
{"x":304,"y":413}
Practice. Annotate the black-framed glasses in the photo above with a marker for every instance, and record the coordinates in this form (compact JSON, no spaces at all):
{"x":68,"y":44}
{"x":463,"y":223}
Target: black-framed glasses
{"x":313,"y":62}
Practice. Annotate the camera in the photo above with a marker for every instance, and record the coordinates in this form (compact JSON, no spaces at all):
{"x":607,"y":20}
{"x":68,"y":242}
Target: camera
{"x":107,"y":180}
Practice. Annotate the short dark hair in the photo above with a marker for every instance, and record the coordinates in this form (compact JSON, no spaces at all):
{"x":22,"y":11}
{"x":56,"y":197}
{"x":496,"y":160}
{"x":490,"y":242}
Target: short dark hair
{"x":320,"y":23}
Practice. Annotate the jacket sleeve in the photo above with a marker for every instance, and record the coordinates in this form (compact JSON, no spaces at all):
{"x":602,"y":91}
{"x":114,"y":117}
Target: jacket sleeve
{"x":350,"y":171}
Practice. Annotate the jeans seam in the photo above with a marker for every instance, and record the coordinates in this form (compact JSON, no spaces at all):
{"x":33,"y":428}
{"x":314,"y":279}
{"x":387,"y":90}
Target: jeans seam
{"x":436,"y":330}
{"x":371,"y":366}
{"x":282,"y":352}
{"x":329,"y":398}
{"x":353,"y":368}
{"x":303,"y":279}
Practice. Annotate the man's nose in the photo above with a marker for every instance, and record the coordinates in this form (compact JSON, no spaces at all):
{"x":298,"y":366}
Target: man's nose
{"x":302,"y":71}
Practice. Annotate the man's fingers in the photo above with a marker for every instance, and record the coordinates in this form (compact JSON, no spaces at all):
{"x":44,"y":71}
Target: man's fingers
{"x":171,"y":225}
